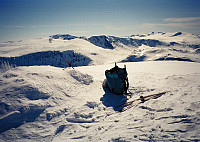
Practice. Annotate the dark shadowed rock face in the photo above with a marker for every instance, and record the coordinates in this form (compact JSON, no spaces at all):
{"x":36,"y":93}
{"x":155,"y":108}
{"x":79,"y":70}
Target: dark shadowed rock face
{"x":52,"y":58}
{"x":101,"y":41}
{"x":64,"y":37}
{"x":177,"y":34}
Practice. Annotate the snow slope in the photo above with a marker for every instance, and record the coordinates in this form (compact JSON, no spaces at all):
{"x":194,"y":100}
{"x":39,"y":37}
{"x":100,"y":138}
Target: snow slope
{"x":45,"y":102}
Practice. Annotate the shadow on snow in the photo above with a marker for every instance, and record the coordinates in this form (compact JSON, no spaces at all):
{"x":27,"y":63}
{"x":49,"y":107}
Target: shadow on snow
{"x":112,"y":100}
{"x":52,"y":58}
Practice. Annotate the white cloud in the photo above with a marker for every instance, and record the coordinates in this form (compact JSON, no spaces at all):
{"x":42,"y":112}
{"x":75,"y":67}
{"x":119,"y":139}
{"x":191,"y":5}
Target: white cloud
{"x":87,"y":24}
{"x":192,"y":25}
{"x":49,"y":26}
{"x":13,"y":26}
{"x":31,"y":26}
{"x":185,"y":23}
{"x":180,"y":20}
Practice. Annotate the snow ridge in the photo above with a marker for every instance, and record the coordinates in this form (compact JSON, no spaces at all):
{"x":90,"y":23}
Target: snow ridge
{"x":52,"y":58}
{"x":130,"y":49}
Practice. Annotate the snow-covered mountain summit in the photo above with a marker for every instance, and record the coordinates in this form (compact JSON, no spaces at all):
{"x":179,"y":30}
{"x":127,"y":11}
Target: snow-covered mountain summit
{"x":41,"y":100}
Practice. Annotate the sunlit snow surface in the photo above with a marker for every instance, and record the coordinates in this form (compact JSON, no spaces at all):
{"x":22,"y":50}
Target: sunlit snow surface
{"x":45,"y":102}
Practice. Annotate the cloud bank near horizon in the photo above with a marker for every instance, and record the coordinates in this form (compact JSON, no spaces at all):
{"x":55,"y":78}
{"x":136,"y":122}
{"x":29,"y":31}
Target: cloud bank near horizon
{"x":179,"y":23}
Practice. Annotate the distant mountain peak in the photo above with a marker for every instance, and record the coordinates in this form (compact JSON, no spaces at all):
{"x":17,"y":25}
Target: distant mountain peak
{"x":177,"y":34}
{"x":63,"y":36}
{"x":101,"y":41}
{"x":145,"y":35}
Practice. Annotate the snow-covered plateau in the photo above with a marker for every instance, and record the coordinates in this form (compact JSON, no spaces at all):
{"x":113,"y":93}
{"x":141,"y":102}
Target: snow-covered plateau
{"x":42,"y":99}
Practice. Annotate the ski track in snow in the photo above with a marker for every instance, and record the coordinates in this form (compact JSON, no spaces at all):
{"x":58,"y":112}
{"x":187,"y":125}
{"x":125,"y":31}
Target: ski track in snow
{"x":49,"y":103}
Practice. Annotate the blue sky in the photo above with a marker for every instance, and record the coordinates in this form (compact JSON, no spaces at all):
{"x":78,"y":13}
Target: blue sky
{"x":22,"y":19}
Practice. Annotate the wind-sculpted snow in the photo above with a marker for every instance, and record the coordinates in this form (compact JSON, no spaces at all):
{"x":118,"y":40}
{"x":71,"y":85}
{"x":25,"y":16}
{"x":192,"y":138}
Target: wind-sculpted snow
{"x":82,"y":78}
{"x":13,"y":113}
{"x":45,"y":103}
{"x":17,"y":118}
{"x":52,"y":58}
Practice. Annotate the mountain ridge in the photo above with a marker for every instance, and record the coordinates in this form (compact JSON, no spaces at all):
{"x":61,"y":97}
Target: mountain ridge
{"x":95,"y":50}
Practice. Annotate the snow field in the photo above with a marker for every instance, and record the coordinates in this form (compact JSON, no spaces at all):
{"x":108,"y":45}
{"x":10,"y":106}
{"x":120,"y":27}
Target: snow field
{"x":69,"y":104}
{"x":42,"y":100}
